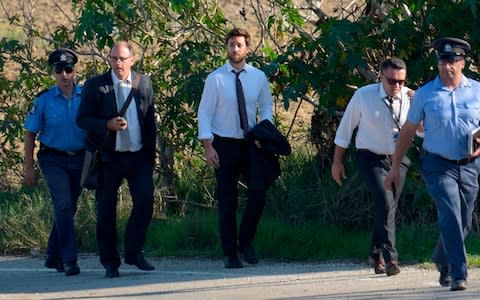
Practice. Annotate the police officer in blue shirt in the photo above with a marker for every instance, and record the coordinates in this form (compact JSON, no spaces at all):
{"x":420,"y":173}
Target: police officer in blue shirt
{"x":60,"y":156}
{"x":449,"y":107}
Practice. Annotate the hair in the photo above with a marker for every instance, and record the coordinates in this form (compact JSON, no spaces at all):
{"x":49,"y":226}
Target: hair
{"x":126,"y":44}
{"x":238,"y":32}
{"x":394,"y":63}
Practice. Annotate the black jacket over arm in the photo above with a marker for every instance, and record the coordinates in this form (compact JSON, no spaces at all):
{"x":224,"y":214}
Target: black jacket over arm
{"x":263,"y":167}
{"x":98,"y":105}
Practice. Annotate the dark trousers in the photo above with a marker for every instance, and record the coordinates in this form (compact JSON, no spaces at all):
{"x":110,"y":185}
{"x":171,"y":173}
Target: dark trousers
{"x":233,"y":163}
{"x":137,"y":169}
{"x":62,"y":174}
{"x":454,"y":189}
{"x":374,"y":169}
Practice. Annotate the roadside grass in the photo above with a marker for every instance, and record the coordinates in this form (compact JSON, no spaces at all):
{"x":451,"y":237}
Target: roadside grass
{"x":26,"y":216}
{"x":197,"y":235}
{"x":307,"y":218}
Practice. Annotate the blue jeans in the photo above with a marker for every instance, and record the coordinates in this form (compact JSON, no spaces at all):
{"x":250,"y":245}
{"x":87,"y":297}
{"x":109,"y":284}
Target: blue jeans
{"x":454,"y":190}
{"x":62,"y":174}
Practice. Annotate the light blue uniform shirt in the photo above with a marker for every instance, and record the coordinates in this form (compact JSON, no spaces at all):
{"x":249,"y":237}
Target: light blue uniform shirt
{"x":448,"y":116}
{"x":53,"y":119}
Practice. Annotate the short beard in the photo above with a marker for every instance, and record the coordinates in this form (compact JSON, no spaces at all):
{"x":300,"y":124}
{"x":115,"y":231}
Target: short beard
{"x":236,"y":61}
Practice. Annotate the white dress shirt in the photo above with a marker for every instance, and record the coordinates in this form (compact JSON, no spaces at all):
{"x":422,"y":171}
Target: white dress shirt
{"x":368,"y":111}
{"x":131,"y":116}
{"x":218,"y":110}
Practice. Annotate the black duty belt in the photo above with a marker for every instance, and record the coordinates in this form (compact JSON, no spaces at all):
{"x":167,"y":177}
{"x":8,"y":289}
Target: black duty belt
{"x":381,"y":156}
{"x":45,"y":149}
{"x":460,"y":162}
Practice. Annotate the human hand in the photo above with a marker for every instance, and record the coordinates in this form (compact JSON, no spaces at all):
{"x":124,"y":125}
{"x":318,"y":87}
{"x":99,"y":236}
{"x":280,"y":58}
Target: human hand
{"x":29,"y":176}
{"x":117,"y":124}
{"x":338,"y":172}
{"x":411,"y":93}
{"x":211,"y":157}
{"x":392,"y":181}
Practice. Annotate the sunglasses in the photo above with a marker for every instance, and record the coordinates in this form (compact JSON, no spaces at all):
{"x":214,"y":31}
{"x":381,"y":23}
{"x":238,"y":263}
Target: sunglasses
{"x":392,"y":81}
{"x":60,"y":69}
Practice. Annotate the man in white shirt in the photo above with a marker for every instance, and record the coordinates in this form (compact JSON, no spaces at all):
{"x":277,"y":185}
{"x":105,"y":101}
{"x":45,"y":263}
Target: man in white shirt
{"x":222,"y":128}
{"x":378,"y":111}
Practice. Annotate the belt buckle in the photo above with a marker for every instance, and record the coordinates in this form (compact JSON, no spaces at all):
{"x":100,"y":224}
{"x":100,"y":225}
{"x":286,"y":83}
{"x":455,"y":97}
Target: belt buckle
{"x":70,"y":153}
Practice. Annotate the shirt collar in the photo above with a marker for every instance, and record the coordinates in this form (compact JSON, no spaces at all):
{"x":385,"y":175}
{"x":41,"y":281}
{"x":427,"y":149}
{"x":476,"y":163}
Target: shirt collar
{"x":116,"y":80}
{"x":438,"y":84}
{"x":77,"y":90}
{"x":382,"y":94}
{"x":230,"y":68}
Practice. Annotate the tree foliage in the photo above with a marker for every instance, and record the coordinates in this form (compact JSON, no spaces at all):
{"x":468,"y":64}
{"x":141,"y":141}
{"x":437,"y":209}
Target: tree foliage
{"x":309,"y":56}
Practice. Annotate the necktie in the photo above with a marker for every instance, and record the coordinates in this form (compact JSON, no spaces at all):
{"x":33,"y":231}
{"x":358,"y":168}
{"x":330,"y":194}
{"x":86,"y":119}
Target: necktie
{"x":242,"y":110}
{"x":395,"y":109}
{"x":123,"y":137}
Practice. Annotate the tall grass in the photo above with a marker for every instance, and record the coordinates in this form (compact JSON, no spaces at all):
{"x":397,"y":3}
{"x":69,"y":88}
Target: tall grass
{"x":308,"y":217}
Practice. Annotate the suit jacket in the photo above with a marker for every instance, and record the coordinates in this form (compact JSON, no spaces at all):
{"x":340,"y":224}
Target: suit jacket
{"x":98,"y":105}
{"x":264,"y":167}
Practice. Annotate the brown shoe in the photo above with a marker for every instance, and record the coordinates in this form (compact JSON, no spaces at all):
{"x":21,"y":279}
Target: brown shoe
{"x":378,"y":265}
{"x":392,"y":268}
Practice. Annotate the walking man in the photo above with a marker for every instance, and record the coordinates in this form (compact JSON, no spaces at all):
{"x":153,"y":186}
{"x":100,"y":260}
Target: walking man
{"x":62,"y":148}
{"x":378,"y":110}
{"x":129,"y":154}
{"x":449,"y":107}
{"x":228,"y":110}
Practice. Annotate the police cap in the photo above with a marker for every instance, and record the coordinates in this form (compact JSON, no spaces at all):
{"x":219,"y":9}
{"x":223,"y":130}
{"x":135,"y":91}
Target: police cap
{"x":451,"y":48}
{"x":62,"y":56}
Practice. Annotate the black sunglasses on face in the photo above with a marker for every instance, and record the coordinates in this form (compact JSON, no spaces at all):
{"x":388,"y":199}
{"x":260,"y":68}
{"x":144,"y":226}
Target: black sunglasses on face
{"x":60,"y":69}
{"x":392,"y":81}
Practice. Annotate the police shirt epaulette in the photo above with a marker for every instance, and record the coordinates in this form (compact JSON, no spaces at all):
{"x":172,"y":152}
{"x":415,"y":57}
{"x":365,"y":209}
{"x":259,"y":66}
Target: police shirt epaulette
{"x":41,"y":93}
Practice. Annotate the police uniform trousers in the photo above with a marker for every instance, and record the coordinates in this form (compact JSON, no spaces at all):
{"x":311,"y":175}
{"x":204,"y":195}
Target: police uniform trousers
{"x":454,"y":189}
{"x":233,"y":156}
{"x":62,"y":173}
{"x":373,"y":169}
{"x":137,"y":169}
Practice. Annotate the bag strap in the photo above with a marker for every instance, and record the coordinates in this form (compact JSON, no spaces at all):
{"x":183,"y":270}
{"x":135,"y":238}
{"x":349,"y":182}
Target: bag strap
{"x":135,"y":83}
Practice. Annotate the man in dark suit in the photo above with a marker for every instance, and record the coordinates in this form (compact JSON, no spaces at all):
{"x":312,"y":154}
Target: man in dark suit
{"x":129,"y":154}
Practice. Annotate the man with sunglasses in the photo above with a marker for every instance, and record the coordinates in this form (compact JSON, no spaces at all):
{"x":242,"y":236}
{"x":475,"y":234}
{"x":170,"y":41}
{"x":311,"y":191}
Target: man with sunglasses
{"x":449,"y":107}
{"x":60,"y":157}
{"x":378,"y":111}
{"x":128,"y":154}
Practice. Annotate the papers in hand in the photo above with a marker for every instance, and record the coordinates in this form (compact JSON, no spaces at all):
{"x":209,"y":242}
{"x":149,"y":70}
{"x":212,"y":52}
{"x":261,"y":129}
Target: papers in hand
{"x":472,"y":144}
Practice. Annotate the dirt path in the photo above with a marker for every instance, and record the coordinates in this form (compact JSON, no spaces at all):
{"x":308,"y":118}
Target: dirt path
{"x":26,"y":278}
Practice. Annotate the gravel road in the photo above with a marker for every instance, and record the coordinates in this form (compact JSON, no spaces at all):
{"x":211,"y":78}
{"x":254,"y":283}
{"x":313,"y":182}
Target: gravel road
{"x":179,"y":278}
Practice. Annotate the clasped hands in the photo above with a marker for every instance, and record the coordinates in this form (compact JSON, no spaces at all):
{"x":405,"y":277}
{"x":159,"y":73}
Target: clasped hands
{"x":117,"y":124}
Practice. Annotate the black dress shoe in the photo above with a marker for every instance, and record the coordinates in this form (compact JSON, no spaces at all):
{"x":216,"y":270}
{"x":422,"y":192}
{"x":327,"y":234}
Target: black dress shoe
{"x":140,"y":262}
{"x":249,"y":255}
{"x":232,"y":262}
{"x":392,"y":268}
{"x":111,"y":272}
{"x":71,"y":269}
{"x":54,"y":263}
